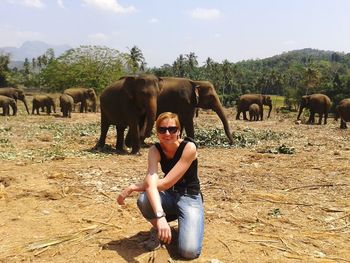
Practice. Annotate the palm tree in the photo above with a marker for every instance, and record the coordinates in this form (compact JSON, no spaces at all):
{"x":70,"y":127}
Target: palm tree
{"x":136,"y":60}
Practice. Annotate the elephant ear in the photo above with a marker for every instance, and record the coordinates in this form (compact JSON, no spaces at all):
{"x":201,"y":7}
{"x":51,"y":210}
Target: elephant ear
{"x":195,"y":90}
{"x":160,"y":83}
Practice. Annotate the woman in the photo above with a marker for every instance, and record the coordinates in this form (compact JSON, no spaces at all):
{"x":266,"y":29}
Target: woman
{"x":177,"y":195}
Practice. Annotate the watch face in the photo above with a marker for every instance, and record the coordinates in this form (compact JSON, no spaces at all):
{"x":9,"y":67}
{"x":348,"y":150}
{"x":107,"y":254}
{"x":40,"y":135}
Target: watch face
{"x":160,"y":214}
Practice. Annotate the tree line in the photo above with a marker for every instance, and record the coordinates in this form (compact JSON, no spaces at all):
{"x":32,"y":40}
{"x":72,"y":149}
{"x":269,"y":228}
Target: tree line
{"x":291,"y":74}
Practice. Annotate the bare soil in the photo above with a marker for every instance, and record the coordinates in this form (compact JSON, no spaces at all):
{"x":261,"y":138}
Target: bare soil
{"x":58,"y":198}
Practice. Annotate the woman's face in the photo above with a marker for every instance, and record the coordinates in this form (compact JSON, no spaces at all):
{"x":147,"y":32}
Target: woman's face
{"x":168,"y":131}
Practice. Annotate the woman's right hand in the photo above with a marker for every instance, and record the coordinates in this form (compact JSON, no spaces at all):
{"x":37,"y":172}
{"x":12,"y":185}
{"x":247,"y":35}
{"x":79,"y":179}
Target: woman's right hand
{"x":164,"y":231}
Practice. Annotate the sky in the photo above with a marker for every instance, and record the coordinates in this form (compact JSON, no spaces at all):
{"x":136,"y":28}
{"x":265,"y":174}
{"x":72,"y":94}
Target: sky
{"x":235,"y":30}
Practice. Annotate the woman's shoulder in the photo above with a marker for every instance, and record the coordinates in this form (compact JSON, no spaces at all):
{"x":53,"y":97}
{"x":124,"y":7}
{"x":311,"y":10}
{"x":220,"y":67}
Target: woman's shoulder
{"x":191,"y":141}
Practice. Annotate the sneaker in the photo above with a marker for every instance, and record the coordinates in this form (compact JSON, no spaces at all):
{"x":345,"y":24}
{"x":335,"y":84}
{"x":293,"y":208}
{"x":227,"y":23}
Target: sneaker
{"x":153,"y":242}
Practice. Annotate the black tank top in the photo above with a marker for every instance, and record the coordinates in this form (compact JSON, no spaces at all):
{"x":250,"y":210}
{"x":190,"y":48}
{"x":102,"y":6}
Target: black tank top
{"x":190,"y":179}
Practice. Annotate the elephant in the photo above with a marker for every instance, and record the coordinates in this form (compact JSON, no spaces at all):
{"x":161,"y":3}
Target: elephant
{"x":16,"y":94}
{"x":343,"y":112}
{"x":246,"y":100}
{"x":129,"y":102}
{"x":316,"y":103}
{"x":66,"y":104}
{"x":46,"y":101}
{"x":5,"y":103}
{"x":82,"y":95}
{"x":182,"y":96}
{"x":254,"y":111}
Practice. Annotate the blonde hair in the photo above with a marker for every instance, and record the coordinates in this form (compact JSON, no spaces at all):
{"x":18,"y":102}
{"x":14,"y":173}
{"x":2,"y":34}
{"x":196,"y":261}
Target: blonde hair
{"x":168,"y":115}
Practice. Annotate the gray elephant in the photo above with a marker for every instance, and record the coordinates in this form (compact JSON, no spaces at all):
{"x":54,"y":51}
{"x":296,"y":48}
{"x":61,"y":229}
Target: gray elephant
{"x":66,"y":104}
{"x":254,"y":111}
{"x":246,"y":100}
{"x":5,"y":103}
{"x":316,"y":103}
{"x":16,"y":94}
{"x":43,"y":101}
{"x":129,"y":102}
{"x":82,"y":95}
{"x":182,"y":96}
{"x":343,"y":112}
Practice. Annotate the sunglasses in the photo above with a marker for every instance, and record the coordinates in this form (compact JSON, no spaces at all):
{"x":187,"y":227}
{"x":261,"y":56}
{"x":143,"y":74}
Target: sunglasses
{"x":171,"y":129}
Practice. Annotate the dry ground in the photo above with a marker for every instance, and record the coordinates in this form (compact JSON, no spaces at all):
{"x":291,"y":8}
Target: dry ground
{"x":57,"y":198}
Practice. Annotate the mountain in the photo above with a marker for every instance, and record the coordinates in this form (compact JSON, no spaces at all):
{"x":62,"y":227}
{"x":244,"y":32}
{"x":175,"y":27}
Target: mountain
{"x":31,"y":49}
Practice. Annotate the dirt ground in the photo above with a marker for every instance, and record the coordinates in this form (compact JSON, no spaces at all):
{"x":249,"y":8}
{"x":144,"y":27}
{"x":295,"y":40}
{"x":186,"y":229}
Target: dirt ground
{"x":58,"y":198}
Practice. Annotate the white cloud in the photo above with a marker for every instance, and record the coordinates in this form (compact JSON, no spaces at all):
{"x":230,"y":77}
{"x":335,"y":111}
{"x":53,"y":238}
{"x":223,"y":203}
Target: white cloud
{"x":60,"y":3}
{"x":110,"y":5}
{"x":34,"y":3}
{"x":205,"y":14}
{"x":153,"y":20}
{"x":98,"y":37}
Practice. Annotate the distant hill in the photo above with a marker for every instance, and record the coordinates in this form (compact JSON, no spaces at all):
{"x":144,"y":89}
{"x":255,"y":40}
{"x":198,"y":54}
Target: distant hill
{"x":31,"y":49}
{"x":302,"y":56}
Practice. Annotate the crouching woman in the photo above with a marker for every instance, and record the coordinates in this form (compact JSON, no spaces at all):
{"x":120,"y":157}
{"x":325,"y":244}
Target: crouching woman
{"x":177,"y":195}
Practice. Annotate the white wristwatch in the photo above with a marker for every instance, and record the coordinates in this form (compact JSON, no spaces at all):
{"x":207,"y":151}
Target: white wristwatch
{"x":160,"y":214}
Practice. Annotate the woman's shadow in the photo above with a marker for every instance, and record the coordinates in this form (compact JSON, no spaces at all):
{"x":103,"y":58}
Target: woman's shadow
{"x":132,"y":250}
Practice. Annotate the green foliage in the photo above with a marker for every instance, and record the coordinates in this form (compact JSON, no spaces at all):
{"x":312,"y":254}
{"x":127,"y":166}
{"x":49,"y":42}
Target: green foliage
{"x":4,"y":70}
{"x":282,"y":149}
{"x":242,"y":139}
{"x":87,"y":66}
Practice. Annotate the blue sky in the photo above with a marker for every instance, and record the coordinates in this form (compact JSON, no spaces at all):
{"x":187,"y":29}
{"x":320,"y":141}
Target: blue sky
{"x":163,"y":29}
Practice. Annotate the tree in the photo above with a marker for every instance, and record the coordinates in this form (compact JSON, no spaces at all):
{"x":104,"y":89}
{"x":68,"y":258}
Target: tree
{"x":4,"y":70}
{"x":135,"y":60}
{"x":88,"y":66}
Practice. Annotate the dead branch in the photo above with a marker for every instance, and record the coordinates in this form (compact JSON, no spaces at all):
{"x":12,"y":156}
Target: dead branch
{"x":228,"y":248}
{"x":314,"y":186}
{"x":100,"y":222}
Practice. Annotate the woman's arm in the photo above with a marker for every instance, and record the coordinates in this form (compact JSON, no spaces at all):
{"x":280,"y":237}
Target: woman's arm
{"x":154,"y":157}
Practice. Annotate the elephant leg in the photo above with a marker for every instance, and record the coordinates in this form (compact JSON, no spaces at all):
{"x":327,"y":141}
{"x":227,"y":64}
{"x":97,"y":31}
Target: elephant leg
{"x":104,"y":129}
{"x":325,"y":118}
{"x":135,"y":137}
{"x":128,"y":140}
{"x":342,"y":124}
{"x":120,"y":139}
{"x":311,"y":119}
{"x":245,"y":116}
{"x":188,"y":126}
{"x":83,"y":106}
{"x":320,"y":118}
{"x":237,"y":115}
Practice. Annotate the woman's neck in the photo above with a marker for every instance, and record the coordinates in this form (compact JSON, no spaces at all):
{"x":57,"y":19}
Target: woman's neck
{"x":170,"y":148}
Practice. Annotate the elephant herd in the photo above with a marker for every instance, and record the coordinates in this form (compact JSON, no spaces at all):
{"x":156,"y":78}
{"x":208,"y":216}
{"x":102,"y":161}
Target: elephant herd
{"x":67,"y":100}
{"x":134,"y":102}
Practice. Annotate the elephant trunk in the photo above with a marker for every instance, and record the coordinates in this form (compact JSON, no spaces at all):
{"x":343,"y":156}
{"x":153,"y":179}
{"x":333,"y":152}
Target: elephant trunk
{"x":220,"y":112}
{"x":150,"y":118}
{"x":26,"y":105}
{"x":270,"y":106}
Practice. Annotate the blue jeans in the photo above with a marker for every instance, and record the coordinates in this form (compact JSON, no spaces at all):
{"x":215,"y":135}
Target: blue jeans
{"x":189,"y":211}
